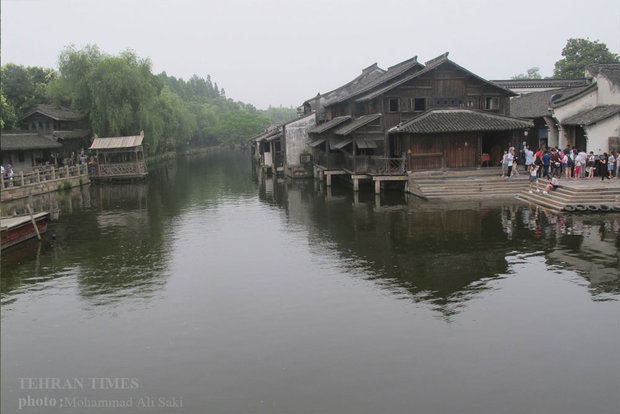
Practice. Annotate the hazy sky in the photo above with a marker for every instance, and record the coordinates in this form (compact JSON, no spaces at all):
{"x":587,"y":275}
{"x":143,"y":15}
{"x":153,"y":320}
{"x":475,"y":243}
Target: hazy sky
{"x":282,"y":52}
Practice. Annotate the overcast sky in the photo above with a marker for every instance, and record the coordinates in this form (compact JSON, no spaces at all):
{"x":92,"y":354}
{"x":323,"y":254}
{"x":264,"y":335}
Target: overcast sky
{"x":282,"y":52}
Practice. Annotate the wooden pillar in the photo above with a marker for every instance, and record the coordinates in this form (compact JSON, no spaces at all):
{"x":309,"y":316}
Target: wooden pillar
{"x":329,"y":180}
{"x":377,"y":186}
{"x":356,"y":184}
{"x":21,"y":178}
{"x":38,"y":175}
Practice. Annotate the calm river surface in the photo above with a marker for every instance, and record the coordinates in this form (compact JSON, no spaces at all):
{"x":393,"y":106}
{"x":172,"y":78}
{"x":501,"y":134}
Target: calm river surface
{"x":210,"y":289}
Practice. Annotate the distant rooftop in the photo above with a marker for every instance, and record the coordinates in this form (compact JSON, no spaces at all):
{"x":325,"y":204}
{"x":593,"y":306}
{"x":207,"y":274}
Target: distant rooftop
{"x":540,"y":83}
{"x":59,"y":113}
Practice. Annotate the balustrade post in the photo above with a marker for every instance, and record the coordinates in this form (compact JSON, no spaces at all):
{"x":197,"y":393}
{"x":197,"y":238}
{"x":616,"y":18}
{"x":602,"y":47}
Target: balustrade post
{"x":53,"y":173}
{"x":67,"y":171}
{"x":37,"y":175}
{"x":2,"y":181}
{"x":21,"y":178}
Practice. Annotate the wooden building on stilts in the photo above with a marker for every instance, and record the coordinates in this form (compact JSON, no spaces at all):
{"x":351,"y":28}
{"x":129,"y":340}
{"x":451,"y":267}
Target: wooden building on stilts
{"x":118,"y":158}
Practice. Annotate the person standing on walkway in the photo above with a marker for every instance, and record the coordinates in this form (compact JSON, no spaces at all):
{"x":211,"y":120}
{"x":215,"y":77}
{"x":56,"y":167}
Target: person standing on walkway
{"x":509,"y":159}
{"x":515,"y":164}
{"x":565,"y":167}
{"x":590,"y":165}
{"x":504,"y":163}
{"x":533,"y":178}
{"x":555,"y":162}
{"x":529,"y":158}
{"x":578,"y":164}
{"x":584,"y":162}
{"x":611,"y":164}
{"x":602,"y":165}
{"x":546,"y":164}
{"x":538,"y":160}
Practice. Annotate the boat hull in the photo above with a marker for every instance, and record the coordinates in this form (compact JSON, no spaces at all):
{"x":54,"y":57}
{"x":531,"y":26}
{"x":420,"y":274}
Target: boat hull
{"x":15,"y":230}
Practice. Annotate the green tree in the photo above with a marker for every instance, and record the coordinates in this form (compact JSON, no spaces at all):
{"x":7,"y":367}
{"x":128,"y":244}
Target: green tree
{"x":239,"y":126}
{"x":578,"y":54}
{"x":280,"y":115}
{"x":532,"y":73}
{"x":72,"y":88}
{"x":8,"y":118}
{"x":23,"y":88}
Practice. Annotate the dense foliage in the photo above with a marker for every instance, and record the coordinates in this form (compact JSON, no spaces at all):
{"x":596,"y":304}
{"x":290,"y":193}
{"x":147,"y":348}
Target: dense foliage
{"x":123,"y":96}
{"x":578,"y":54}
{"x":22,"y":88}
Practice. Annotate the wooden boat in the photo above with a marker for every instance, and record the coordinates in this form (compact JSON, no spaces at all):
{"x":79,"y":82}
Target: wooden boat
{"x":18,"y":229}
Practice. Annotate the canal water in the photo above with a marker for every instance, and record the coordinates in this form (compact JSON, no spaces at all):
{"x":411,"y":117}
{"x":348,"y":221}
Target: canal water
{"x":213,"y":289}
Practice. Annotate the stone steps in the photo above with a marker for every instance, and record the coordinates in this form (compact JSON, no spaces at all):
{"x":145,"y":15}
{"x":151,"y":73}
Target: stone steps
{"x":567,"y":196}
{"x":467,"y":186}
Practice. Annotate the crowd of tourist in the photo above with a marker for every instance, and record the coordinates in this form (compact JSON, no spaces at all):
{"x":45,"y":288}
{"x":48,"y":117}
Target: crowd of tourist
{"x":553,"y":163}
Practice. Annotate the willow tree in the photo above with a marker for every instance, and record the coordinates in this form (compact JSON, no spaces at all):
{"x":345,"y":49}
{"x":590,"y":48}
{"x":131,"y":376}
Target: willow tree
{"x":120,"y":92}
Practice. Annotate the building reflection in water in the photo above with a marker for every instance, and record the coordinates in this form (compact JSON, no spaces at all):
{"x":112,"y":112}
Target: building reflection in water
{"x":443,"y":254}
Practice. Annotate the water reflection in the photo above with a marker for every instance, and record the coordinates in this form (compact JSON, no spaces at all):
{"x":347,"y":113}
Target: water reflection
{"x":444,"y":254}
{"x":115,"y":239}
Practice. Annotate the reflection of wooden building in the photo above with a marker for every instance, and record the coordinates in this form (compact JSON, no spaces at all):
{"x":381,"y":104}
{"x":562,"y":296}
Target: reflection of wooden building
{"x":118,"y":158}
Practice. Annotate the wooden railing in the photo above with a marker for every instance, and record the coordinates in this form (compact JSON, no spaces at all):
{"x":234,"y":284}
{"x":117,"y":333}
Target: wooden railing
{"x":372,"y":164}
{"x":330,"y":160}
{"x":431,"y":161}
{"x":42,"y":175}
{"x":119,"y":170}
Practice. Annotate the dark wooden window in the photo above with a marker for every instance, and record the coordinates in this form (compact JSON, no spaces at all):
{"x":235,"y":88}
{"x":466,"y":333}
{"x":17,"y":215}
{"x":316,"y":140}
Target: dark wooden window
{"x":394,"y":105}
{"x":419,"y":104}
{"x":491,"y":103}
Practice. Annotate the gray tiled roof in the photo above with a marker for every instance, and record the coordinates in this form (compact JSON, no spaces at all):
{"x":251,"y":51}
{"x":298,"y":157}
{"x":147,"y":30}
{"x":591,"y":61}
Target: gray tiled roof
{"x":20,"y":141}
{"x":357,"y":124}
{"x":75,"y":134}
{"x":319,"y":129}
{"x":56,"y":112}
{"x":592,"y":116}
{"x":573,"y":94}
{"x":538,"y":104}
{"x":271,"y":130}
{"x":368,"y":75}
{"x":540,"y":83}
{"x":610,"y":70}
{"x":390,"y":74}
{"x":430,"y":65}
{"x":460,"y":120}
